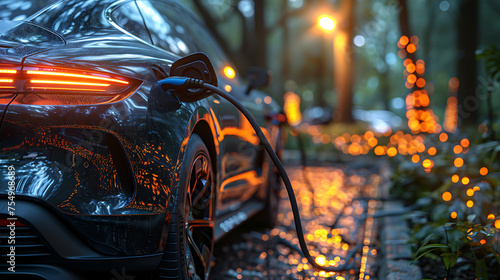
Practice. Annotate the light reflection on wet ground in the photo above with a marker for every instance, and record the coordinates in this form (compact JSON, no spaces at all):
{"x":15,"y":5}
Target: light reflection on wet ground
{"x":337,"y":230}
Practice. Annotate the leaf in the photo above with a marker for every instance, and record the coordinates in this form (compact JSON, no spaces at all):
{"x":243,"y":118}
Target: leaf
{"x":495,"y":254}
{"x":431,"y":246}
{"x":450,"y":259}
{"x":424,"y":250}
{"x":481,"y":270}
{"x":421,"y":255}
{"x":432,"y":235}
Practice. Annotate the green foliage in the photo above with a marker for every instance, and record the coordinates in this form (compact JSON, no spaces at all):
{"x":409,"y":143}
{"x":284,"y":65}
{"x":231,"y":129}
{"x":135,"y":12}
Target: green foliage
{"x":470,"y":238}
{"x":491,"y":57}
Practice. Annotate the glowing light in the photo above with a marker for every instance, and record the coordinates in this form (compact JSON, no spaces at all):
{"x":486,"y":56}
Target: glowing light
{"x":427,"y":163}
{"x":66,"y":89}
{"x":465,"y":180}
{"x":229,"y":72}
{"x":453,"y":84}
{"x":459,"y":162}
{"x":432,"y":151}
{"x":72,"y":75}
{"x":497,"y":224}
{"x":411,"y":78}
{"x":228,"y":88}
{"x":491,"y":217}
{"x":320,"y":260}
{"x":68,"y":83}
{"x":465,"y":142}
{"x":476,"y":188}
{"x":457,"y":149}
{"x":453,"y":215}
{"x":391,"y":152}
{"x":411,"y":48}
{"x":7,"y":81}
{"x":482,"y":241}
{"x":404,"y":40}
{"x":421,"y":82}
{"x":470,"y":203}
{"x":470,"y":192}
{"x":292,"y":108}
{"x":268,"y":99}
{"x":415,"y":158}
{"x":379,"y":150}
{"x":455,"y":178}
{"x":443,"y":137}
{"x":446,"y":196}
{"x":410,"y":68}
{"x":483,"y":171}
{"x":8,"y":71}
{"x":326,"y":22}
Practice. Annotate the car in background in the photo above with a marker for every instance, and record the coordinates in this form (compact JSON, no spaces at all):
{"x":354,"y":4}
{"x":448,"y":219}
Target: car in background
{"x":104,"y":174}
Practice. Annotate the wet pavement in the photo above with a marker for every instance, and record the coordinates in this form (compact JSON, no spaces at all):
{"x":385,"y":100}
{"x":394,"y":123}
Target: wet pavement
{"x":336,"y":203}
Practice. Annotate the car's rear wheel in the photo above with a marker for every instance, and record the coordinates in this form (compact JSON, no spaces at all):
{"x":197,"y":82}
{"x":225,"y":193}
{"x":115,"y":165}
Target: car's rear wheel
{"x":268,"y":217}
{"x":190,"y":242}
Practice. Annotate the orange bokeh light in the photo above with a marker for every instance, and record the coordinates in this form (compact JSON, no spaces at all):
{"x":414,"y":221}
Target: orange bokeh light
{"x":432,"y":151}
{"x":446,"y":196}
{"x":470,"y":203}
{"x":470,"y":192}
{"x":459,"y":162}
{"x":379,"y":151}
{"x":453,"y":215}
{"x":404,"y":40}
{"x":411,"y":48}
{"x":465,"y":180}
{"x":392,"y":152}
{"x":455,"y":178}
{"x":453,"y":84}
{"x":415,"y":158}
{"x":410,"y":68}
{"x":421,"y":82}
{"x":411,"y":78}
{"x":483,"y":171}
{"x":229,"y":72}
{"x":443,"y":137}
{"x":427,"y":163}
{"x":465,"y":142}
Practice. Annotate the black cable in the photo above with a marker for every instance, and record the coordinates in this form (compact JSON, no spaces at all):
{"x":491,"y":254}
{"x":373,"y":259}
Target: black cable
{"x":184,"y":83}
{"x":284,"y":177}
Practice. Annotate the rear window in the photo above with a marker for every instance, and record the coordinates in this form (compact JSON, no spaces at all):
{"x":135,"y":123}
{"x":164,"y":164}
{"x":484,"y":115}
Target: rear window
{"x":15,"y":10}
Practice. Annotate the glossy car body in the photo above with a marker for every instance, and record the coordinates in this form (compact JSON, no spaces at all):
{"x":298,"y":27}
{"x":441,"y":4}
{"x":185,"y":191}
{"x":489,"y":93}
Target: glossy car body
{"x":96,"y":146}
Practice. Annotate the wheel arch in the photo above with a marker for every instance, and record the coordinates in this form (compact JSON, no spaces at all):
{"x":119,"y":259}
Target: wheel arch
{"x":202,"y":129}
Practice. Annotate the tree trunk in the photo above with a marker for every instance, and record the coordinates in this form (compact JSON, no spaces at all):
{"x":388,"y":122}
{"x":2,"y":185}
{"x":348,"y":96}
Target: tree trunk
{"x":260,"y":54}
{"x":404,"y":25}
{"x":344,"y":61}
{"x":468,"y":103}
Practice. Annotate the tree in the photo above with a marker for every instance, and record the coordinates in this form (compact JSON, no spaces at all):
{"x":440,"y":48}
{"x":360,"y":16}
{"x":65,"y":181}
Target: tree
{"x":344,"y":62}
{"x":467,"y":36}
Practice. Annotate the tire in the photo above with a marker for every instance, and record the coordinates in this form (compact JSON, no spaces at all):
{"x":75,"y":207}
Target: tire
{"x":190,"y":241}
{"x":268,"y":217}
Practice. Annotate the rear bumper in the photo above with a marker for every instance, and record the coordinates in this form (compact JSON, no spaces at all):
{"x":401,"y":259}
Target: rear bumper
{"x":48,"y":247}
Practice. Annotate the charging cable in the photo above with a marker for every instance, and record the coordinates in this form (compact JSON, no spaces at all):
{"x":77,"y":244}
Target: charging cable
{"x":182,"y":84}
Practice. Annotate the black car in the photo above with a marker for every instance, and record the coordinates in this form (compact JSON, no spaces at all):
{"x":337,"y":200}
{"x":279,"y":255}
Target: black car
{"x":104,"y":174}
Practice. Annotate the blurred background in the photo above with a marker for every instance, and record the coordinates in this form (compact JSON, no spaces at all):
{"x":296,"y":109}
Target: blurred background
{"x":362,"y":61}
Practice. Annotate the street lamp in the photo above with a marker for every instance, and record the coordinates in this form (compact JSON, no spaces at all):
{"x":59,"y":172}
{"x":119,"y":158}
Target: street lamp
{"x":326,"y":22}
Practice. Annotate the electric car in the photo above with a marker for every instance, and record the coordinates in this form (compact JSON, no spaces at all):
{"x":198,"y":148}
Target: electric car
{"x":103,"y":173}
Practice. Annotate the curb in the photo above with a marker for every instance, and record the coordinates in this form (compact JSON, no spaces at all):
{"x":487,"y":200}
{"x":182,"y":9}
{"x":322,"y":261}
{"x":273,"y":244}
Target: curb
{"x":395,"y":249}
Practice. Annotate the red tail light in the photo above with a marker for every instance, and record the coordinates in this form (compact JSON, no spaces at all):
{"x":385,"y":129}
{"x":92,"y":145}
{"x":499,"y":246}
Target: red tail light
{"x":58,"y":86}
{"x":4,"y":222}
